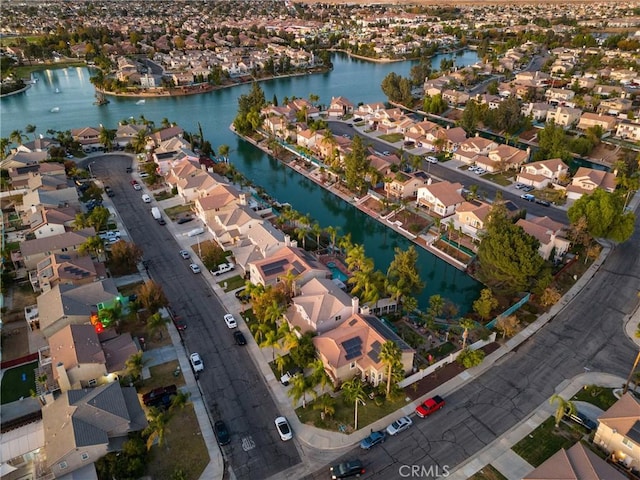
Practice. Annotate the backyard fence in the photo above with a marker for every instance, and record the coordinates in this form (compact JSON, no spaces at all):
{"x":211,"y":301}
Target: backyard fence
{"x":19,"y":361}
{"x":509,"y":310}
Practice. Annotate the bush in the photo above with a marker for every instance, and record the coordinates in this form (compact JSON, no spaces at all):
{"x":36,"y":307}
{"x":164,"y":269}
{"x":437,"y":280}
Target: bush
{"x":470,"y":358}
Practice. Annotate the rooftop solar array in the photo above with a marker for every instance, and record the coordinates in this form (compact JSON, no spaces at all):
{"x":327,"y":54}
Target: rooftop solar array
{"x":275,"y":267}
{"x":352,"y":347}
{"x":634,"y":433}
{"x":374,"y":353}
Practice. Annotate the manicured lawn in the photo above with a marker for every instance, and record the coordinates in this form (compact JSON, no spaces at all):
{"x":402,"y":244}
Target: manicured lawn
{"x":498,"y":178}
{"x":392,"y":137}
{"x":173,"y":212}
{"x":162,"y":376}
{"x":14,"y":386}
{"x":163,"y":195}
{"x":599,"y":396}
{"x":442,"y":350}
{"x":183,"y":448}
{"x":488,"y":473}
{"x":344,"y":413}
{"x":546,"y":440}
{"x":289,"y":364}
{"x":233,"y":283}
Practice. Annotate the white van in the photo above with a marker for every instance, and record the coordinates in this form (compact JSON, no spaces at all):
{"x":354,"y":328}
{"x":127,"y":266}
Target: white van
{"x":146,"y":198}
{"x":195,"y":231}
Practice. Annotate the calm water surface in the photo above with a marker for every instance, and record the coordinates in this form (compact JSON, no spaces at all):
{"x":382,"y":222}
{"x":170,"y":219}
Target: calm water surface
{"x":70,"y":92}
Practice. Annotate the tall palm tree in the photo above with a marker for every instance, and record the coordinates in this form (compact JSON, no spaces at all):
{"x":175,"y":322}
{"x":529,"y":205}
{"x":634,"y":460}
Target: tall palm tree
{"x":272,"y":340}
{"x":139,"y":142}
{"x":288,"y":280}
{"x":390,"y":355}
{"x":157,"y":427}
{"x":106,"y":138}
{"x":4,"y":144}
{"x":300,"y":386}
{"x":180,"y":400}
{"x":155,"y":323}
{"x":466,"y":324}
{"x":326,"y":404}
{"x":31,"y":129}
{"x":563,"y":407}
{"x":259,"y":330}
{"x":316,"y":230}
{"x":93,"y":245}
{"x":274,"y":312}
{"x":281,"y":362}
{"x":319,"y":374}
{"x":333,"y":233}
{"x":353,"y":391}
{"x":16,"y":137}
{"x":134,"y":365}
{"x":289,"y":337}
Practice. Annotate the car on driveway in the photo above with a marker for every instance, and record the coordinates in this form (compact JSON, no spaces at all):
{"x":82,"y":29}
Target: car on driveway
{"x":429,"y":406}
{"x":194,"y":268}
{"x":399,"y":425}
{"x":284,"y":429}
{"x":184,"y":254}
{"x":350,"y":468}
{"x":182,"y":220}
{"x":243,"y":295}
{"x":222,"y":432}
{"x":223,"y":268}
{"x":373,"y":439}
{"x":230,"y":321}
{"x":196,"y":362}
{"x":238,"y":336}
{"x":520,"y":186}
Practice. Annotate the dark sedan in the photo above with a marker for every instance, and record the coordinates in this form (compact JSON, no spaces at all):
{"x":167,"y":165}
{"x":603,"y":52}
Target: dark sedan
{"x":373,"y":439}
{"x":222,"y":432}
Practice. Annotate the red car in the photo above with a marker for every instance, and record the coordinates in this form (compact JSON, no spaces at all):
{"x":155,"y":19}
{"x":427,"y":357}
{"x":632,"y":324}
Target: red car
{"x":429,"y":406}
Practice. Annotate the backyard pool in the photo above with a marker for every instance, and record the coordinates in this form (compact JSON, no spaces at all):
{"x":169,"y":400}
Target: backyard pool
{"x":336,"y":272}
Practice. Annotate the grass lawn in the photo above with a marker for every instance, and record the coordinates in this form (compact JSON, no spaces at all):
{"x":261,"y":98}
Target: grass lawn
{"x":289,"y":364}
{"x":162,"y":376}
{"x":14,"y":387}
{"x":546,"y":440}
{"x":488,"y":473}
{"x":174,"y":212}
{"x":392,"y":137}
{"x":163,"y":195}
{"x":183,"y":448}
{"x":344,"y":413}
{"x":129,"y":289}
{"x":599,"y":396}
{"x":442,"y":350}
{"x":498,"y":178}
{"x":233,"y":283}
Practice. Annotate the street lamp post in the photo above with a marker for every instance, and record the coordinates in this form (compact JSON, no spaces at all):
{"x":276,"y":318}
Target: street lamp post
{"x":91,"y":171}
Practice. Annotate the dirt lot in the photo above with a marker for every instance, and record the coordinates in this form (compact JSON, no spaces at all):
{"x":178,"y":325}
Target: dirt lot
{"x":15,"y":341}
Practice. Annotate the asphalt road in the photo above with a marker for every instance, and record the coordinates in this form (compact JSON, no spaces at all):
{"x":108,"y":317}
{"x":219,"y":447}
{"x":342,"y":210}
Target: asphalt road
{"x":588,"y":333}
{"x":233,"y":388}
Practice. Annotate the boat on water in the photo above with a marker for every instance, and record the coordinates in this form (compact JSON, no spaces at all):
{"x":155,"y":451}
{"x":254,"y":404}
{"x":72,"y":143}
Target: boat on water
{"x":55,"y":109}
{"x":57,"y":90}
{"x":140,"y":102}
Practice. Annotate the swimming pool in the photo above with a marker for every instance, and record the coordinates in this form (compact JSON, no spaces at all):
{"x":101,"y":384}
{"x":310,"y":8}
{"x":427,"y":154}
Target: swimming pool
{"x":336,"y":272}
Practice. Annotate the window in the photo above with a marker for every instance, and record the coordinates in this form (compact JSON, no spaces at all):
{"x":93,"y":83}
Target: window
{"x":62,"y":465}
{"x":84,"y":456}
{"x":627,"y":443}
{"x":338,"y":318}
{"x":353,"y":365}
{"x":92,"y":383}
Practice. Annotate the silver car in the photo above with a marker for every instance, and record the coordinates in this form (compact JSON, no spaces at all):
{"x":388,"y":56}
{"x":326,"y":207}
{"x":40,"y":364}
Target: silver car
{"x":399,"y":425}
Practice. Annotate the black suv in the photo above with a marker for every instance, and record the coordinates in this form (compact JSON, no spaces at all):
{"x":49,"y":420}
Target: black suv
{"x":222,"y":433}
{"x":350,"y":468}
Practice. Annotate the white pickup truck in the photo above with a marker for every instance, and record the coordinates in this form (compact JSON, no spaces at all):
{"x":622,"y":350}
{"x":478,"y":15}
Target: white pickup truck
{"x":223,"y":268}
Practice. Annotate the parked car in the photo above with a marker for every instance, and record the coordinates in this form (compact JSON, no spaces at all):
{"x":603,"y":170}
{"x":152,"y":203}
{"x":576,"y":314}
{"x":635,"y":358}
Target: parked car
{"x":154,"y":396}
{"x":243,"y":295}
{"x":520,"y":186}
{"x":194,"y":268}
{"x":180,"y":324}
{"x":146,"y":198}
{"x":196,"y":362}
{"x":286,"y":378}
{"x":284,"y":430}
{"x":182,"y":220}
{"x":528,"y":188}
{"x":223,"y":268}
{"x":543,"y":202}
{"x":350,"y":468}
{"x":144,"y":175}
{"x":528,"y":197}
{"x":373,"y":439}
{"x":480,"y":171}
{"x":581,"y":419}
{"x":238,"y":336}
{"x":432,"y":159}
{"x":429,"y":406}
{"x":184,"y":254}
{"x":195,"y":231}
{"x":399,"y":425}
{"x":230,"y":321}
{"x":222,"y":433}
{"x":109,"y":191}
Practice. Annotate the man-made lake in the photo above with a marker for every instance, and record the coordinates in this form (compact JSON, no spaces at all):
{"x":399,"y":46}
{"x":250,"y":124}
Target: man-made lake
{"x":63,"y":99}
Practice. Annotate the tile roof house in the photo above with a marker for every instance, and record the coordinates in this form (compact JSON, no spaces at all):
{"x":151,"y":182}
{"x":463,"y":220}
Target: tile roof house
{"x":19,"y":164}
{"x":619,"y":431}
{"x":473,"y":147}
{"x":191,"y":180}
{"x":67,"y":269}
{"x":82,"y":426}
{"x":48,"y":221}
{"x":565,"y":117}
{"x":319,"y":306}
{"x":575,"y":463}
{"x":86,"y":136}
{"x":33,"y":251}
{"x":62,"y":197}
{"x":471,"y":216}
{"x":586,"y":180}
{"x":405,"y":185}
{"x":166,"y":134}
{"x":42,"y":144}
{"x":588,"y":120}
{"x":288,"y":259}
{"x":261,"y":241}
{"x":67,"y":304}
{"x":543,"y":173}
{"x":551,"y":235}
{"x":504,"y":157}
{"x":441,"y":198}
{"x":126,"y":133}
{"x":172,"y":152}
{"x":339,"y":107}
{"x":353,"y":348}
{"x":628,"y":130}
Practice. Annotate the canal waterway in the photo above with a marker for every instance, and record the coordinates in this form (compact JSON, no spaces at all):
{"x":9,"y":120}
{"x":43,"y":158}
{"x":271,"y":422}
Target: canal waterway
{"x":62,"y":99}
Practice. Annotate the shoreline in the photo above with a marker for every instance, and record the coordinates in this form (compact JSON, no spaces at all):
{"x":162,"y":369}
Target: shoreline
{"x":15,"y":92}
{"x":415,"y":239}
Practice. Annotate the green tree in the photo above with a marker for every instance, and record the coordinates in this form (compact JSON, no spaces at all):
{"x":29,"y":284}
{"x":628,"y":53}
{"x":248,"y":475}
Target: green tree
{"x":300,"y":387}
{"x":125,"y":256}
{"x":353,"y":391}
{"x":134,"y":365}
{"x":151,"y":296}
{"x":155,"y":323}
{"x":403,"y":273}
{"x":563,"y":407}
{"x":485,"y":304}
{"x":106,"y":138}
{"x":391,"y":356}
{"x":470,"y":358}
{"x":92,"y":246}
{"x":4,"y":145}
{"x":466,"y":324}
{"x":16,"y":137}
{"x":179,"y":401}
{"x":157,"y":427}
{"x":30,"y":129}
{"x":355,"y":163}
{"x":552,"y":142}
{"x":470,"y":117}
{"x":326,"y":404}
{"x":139,"y":141}
{"x":271,"y":340}
{"x":604,"y":214}
{"x":319,"y":374}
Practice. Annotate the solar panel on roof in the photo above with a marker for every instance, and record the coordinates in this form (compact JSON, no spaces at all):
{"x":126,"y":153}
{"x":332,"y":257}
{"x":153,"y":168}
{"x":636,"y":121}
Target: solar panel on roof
{"x":352,"y":347}
{"x":374,"y":353}
{"x":274,"y":267}
{"x":634,"y":433}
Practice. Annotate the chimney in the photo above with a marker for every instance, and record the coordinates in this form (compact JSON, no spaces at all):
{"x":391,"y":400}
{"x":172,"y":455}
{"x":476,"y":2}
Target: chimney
{"x":355,"y":305}
{"x":243,"y":199}
{"x":429,"y":181}
{"x":63,"y":378}
{"x":287,"y":240}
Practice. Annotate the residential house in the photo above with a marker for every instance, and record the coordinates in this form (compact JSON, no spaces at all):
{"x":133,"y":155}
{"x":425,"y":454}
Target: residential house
{"x":538,"y":111}
{"x":287,"y":260}
{"x":82,"y":426}
{"x":615,"y":106}
{"x":452,"y":138}
{"x":565,"y":117}
{"x":455,"y":97}
{"x":405,"y":185}
{"x":126,"y":133}
{"x":504,"y":157}
{"x":220,"y":198}
{"x":441,"y":198}
{"x":33,"y":251}
{"x":586,"y":180}
{"x":628,"y":131}
{"x":67,"y":269}
{"x":19,"y":164}
{"x":353,"y":349}
{"x":41,"y":144}
{"x":339,"y":107}
{"x":307,"y":138}
{"x":543,"y":173}
{"x":191,"y":181}
{"x":561,"y":96}
{"x":49,"y":221}
{"x":87,"y":137}
{"x":69,"y":304}
{"x":21,"y":175}
{"x":63,"y":197}
{"x":166,"y":134}
{"x":319,"y":306}
{"x":471,"y":217}
{"x":619,"y":431}
{"x":472,"y":148}
{"x":588,"y":120}
{"x":537,"y":79}
{"x":370,"y":109}
{"x":425,"y":134}
{"x":576,"y":463}
{"x":260,"y":241}
{"x":551,"y":235}
{"x":172,"y":152}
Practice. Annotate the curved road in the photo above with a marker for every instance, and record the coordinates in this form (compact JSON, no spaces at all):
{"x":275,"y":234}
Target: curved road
{"x":233,"y":388}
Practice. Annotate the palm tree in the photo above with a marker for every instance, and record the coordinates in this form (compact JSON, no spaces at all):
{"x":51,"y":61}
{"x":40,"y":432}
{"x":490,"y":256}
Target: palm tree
{"x":93,"y":245}
{"x":290,"y":339}
{"x":259,"y":330}
{"x":466,"y":324}
{"x":565,"y":407}
{"x":157,"y":427}
{"x":299,"y":388}
{"x":326,"y":404}
{"x":390,"y":355}
{"x":16,"y":137}
{"x":274,"y":312}
{"x":319,"y":374}
{"x":272,"y":340}
{"x":180,"y":400}
{"x":31,"y":129}
{"x":4,"y":144}
{"x":155,"y":323}
{"x":281,"y":362}
{"x":288,"y":280}
{"x":333,"y":233}
{"x":223,"y":150}
{"x":316,"y":230}
{"x":301,"y":233}
{"x":134,"y":365}
{"x":139,"y":142}
{"x":353,"y":391}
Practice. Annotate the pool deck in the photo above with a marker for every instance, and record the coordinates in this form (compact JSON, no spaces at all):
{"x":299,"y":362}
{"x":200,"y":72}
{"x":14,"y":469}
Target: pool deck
{"x":337,"y":263}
